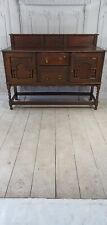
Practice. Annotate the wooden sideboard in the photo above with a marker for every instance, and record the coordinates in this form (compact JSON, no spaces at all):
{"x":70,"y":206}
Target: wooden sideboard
{"x":54,"y":60}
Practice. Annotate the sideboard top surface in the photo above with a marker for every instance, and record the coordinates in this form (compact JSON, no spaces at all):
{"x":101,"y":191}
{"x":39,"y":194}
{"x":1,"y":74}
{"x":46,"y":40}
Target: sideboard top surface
{"x":73,"y":49}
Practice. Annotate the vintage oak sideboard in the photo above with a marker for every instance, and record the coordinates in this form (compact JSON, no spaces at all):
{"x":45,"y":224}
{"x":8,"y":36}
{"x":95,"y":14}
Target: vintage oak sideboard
{"x":54,"y":60}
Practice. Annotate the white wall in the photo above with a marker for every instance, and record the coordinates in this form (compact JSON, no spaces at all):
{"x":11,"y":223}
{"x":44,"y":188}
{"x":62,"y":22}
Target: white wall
{"x":53,"y":16}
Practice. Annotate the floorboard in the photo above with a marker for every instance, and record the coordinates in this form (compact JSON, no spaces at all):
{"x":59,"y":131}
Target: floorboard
{"x":89,"y":179}
{"x":21,"y":178}
{"x":98,"y":146}
{"x":66,"y":174}
{"x":6,"y":121}
{"x":53,"y":152}
{"x":44,"y":174}
{"x":9,"y":150}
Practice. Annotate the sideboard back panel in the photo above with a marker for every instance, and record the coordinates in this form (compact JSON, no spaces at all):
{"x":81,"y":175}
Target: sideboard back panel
{"x":26,"y":41}
{"x":37,"y":41}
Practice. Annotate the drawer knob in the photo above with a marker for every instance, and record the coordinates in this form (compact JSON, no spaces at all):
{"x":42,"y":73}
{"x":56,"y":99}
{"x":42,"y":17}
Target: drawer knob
{"x":64,"y":56}
{"x":46,"y":60}
{"x":59,"y":77}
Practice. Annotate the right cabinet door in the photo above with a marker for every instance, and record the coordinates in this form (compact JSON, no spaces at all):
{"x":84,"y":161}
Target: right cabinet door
{"x":86,"y":67}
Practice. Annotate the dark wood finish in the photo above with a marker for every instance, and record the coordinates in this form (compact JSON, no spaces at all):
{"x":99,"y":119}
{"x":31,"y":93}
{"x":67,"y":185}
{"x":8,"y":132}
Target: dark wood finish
{"x":37,"y":41}
{"x":86,"y":67}
{"x":53,"y":76}
{"x":26,"y":41}
{"x":80,"y":41}
{"x":53,"y":60}
{"x":20,"y":68}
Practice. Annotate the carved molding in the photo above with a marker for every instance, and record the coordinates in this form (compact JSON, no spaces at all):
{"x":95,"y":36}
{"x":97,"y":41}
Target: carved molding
{"x":54,"y":2}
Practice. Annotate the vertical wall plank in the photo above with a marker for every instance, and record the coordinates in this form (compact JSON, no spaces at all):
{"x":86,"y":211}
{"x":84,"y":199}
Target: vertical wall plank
{"x":14,"y":11}
{"x":54,"y":17}
{"x":91,"y":17}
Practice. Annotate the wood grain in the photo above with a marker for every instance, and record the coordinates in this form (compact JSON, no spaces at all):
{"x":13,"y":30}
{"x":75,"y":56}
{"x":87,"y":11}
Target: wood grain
{"x":44,"y":174}
{"x":21,"y":178}
{"x":66,"y":174}
{"x":89,"y":179}
{"x":10,"y":149}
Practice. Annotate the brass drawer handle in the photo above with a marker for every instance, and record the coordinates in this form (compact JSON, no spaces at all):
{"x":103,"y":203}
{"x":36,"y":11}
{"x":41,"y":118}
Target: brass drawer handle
{"x":59,"y":77}
{"x":46,"y":60}
{"x":94,"y":58}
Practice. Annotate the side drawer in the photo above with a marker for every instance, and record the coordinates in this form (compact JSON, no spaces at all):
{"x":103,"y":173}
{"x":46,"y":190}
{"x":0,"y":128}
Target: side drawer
{"x":51,"y":58}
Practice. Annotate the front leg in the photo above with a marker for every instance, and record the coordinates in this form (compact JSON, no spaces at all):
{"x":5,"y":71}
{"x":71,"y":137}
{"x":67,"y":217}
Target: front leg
{"x":15,"y":92}
{"x":97,"y":97}
{"x":91,"y":92}
{"x":9,"y":96}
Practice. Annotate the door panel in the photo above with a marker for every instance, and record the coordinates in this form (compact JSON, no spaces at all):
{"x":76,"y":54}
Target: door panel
{"x":85,"y":67}
{"x":21,"y":68}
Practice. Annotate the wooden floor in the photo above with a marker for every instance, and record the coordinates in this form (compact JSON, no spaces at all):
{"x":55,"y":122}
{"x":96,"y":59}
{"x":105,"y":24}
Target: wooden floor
{"x":53,"y":152}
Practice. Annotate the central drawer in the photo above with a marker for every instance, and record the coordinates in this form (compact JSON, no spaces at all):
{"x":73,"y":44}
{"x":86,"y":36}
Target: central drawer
{"x":53,"y":75}
{"x":50,"y":58}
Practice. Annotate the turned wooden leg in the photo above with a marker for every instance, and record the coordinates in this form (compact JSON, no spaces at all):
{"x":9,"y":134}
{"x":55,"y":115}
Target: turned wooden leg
{"x":97,"y":97}
{"x":15,"y":92}
{"x":9,"y":96}
{"x":91,"y":92}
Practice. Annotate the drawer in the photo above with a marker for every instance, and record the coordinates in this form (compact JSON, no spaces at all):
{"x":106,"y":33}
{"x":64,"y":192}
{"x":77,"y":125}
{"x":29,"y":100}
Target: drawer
{"x":53,"y":74}
{"x":53,"y":58}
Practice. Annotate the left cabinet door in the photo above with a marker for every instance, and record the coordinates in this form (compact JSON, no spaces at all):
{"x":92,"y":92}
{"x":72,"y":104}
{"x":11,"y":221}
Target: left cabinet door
{"x":20,"y":68}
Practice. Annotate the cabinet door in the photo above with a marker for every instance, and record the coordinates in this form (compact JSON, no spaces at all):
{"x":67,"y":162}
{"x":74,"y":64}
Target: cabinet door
{"x":86,"y":67}
{"x":20,"y":68}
